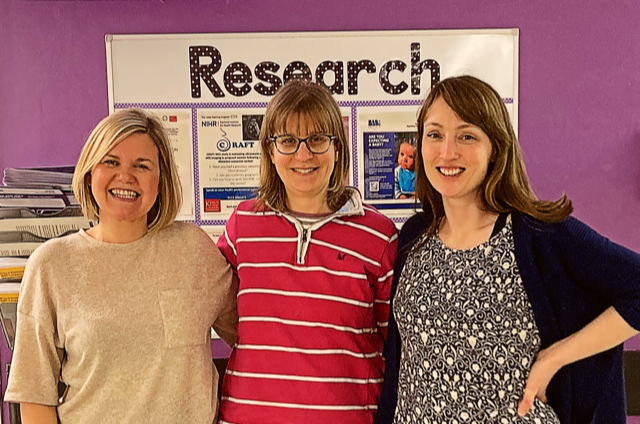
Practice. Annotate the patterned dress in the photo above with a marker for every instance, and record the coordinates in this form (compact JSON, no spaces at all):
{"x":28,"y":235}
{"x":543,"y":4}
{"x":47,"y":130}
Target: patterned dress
{"x":468,"y":336}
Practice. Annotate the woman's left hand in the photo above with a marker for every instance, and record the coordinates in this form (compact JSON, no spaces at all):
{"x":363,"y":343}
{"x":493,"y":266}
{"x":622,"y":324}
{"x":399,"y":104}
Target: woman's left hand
{"x":542,"y":371}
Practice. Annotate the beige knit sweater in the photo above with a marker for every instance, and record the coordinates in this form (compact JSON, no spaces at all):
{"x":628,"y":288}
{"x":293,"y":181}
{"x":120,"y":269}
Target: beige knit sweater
{"x":125,"y":326}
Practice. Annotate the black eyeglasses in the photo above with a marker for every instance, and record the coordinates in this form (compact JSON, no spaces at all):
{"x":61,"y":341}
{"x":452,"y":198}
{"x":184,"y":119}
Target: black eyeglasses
{"x":316,"y":143}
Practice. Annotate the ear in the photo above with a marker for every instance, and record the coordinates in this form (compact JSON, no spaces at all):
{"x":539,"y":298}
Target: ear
{"x":494,"y":154}
{"x":271,"y":156}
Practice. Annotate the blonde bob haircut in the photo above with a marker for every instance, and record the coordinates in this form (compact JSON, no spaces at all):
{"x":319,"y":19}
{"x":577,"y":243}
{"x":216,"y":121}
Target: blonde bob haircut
{"x":506,"y":186}
{"x":302,"y":98}
{"x":106,"y":135}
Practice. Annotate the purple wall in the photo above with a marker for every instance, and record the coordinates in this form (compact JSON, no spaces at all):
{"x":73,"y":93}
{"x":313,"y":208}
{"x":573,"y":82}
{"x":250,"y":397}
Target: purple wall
{"x":579,"y":79}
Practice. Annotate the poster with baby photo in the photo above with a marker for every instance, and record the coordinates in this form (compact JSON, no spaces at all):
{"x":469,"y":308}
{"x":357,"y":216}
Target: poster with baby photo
{"x":404,"y":175}
{"x":386,"y":161}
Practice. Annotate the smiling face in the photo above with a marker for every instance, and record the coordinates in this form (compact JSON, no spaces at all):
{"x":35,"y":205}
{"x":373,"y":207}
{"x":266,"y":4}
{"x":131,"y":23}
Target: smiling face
{"x":305,"y":175}
{"x":456,"y":154}
{"x":125,"y":182}
{"x":406,"y":156}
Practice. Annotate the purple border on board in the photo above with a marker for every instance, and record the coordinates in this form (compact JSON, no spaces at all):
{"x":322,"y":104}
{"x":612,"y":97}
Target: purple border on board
{"x":354,"y":145}
{"x":227,"y":105}
{"x":222,"y":222}
{"x":397,"y":219}
{"x":196,"y":165}
{"x":369,"y":103}
{"x":189,"y":105}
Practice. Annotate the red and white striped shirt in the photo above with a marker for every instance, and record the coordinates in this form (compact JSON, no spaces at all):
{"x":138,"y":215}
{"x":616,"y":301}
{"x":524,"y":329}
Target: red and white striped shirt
{"x":313,"y":306}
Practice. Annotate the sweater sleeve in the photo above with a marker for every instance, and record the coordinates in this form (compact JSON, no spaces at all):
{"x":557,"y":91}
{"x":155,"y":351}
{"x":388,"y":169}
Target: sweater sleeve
{"x":611,"y":271}
{"x":226,"y":325}
{"x":227,"y":241}
{"x":38,"y":354}
{"x":382,"y":287}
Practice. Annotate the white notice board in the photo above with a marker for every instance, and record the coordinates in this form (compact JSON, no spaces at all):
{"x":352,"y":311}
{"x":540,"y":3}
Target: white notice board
{"x":211,"y":91}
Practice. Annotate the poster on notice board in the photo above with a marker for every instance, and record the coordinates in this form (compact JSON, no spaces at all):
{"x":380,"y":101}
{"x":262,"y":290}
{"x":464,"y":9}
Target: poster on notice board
{"x":211,"y":92}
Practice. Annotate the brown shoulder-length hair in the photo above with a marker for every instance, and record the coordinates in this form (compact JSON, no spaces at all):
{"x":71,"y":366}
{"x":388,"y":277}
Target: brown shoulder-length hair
{"x":302,"y":98}
{"x":506,"y":187}
{"x":105,"y":136}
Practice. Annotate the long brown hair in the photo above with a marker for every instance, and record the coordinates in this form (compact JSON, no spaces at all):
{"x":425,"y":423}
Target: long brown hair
{"x":302,"y":98}
{"x":506,"y":186}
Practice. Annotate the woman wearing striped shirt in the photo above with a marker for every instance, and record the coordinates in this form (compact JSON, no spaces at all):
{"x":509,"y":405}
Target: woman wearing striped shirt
{"x":315,"y":267}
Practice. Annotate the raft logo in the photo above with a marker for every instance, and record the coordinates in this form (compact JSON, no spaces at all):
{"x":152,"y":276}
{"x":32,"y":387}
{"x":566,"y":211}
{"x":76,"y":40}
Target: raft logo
{"x":223,"y":144}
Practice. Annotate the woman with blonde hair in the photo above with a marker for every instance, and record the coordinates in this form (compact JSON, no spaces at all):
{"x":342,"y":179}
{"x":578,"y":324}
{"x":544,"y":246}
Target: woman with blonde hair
{"x":504,"y":308}
{"x":121,"y":313}
{"x":315,"y":267}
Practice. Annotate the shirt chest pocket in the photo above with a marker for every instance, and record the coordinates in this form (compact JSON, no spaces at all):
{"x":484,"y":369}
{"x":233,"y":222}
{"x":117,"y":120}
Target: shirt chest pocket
{"x":185,"y":317}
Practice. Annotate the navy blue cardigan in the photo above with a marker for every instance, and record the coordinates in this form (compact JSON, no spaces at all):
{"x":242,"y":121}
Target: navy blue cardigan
{"x":571,"y":275}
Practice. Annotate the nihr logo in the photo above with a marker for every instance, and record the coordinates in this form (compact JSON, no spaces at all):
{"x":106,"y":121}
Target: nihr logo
{"x":374,"y":123}
{"x":207,"y":124}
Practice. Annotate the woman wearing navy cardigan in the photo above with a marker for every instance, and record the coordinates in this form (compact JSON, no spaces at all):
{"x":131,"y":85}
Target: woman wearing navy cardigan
{"x":504,"y":308}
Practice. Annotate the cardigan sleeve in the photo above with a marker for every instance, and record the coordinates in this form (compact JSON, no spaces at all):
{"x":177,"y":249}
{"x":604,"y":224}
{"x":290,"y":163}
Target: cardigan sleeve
{"x":411,"y":230}
{"x":609,"y":270}
{"x":392,"y":350}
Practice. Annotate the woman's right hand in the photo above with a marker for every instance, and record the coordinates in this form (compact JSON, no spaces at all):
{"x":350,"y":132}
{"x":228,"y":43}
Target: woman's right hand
{"x":34,"y":413}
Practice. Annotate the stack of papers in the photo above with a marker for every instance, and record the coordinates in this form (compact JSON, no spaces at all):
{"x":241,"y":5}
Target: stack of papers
{"x":11,"y":272}
{"x":56,"y":177}
{"x":19,"y":237}
{"x":36,"y":205}
{"x":12,"y":269}
{"x":9,"y":310}
{"x":36,"y":199}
